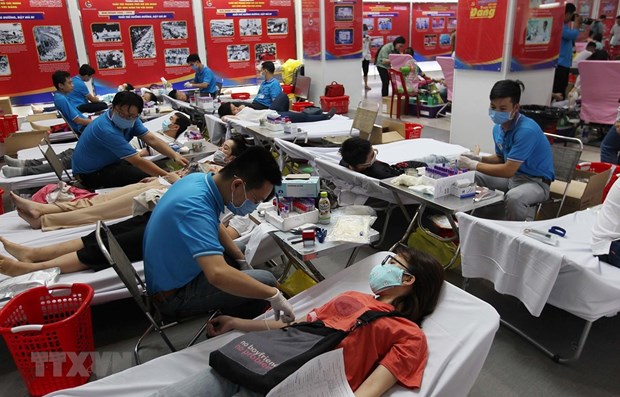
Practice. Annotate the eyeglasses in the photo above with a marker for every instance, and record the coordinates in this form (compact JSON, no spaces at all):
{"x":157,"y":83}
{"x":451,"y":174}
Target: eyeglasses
{"x":393,"y":260}
{"x":124,"y":115}
{"x":254,"y":199}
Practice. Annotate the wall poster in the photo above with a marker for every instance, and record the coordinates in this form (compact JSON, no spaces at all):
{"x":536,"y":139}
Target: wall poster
{"x":385,"y":22}
{"x":431,"y":30}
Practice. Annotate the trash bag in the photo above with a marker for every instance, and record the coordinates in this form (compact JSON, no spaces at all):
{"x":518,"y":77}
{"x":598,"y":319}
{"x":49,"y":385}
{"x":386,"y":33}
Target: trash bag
{"x":545,"y":116}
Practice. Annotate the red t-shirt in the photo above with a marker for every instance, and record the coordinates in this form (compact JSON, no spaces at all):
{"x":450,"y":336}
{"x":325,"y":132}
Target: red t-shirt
{"x":394,"y":342}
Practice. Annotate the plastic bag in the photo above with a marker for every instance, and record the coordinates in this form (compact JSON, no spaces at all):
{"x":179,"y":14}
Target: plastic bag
{"x":288,"y":70}
{"x":352,"y":228}
{"x":14,"y":285}
{"x":297,"y":282}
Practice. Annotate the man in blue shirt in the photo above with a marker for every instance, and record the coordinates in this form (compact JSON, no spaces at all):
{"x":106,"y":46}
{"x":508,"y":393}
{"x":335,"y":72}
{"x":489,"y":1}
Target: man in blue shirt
{"x":204,"y":79}
{"x":570,"y":31}
{"x":186,"y":273}
{"x":269,"y":89}
{"x":522,"y":165}
{"x":103,"y":156}
{"x":81,"y":97}
{"x":64,"y":85}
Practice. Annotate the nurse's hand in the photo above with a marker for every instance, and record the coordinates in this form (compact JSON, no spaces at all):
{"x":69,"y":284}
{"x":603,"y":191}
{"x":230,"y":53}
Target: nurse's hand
{"x":180,"y":159}
{"x":187,"y":84}
{"x":282,"y":310}
{"x":465,"y":162}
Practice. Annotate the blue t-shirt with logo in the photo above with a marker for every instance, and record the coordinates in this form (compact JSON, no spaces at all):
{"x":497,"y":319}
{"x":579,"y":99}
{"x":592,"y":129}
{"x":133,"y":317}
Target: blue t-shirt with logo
{"x":267,"y":92}
{"x":78,"y":96}
{"x":69,"y":111}
{"x":525,"y":143}
{"x":183,"y":227}
{"x":206,"y":75}
{"x":102,"y":143}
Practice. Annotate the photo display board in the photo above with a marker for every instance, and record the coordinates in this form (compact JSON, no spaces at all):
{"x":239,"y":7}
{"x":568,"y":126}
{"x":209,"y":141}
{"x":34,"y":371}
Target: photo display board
{"x":343,"y":29}
{"x":385,"y":23}
{"x":35,"y":41}
{"x":538,"y":32}
{"x":138,"y":41}
{"x":609,"y":8}
{"x":242,"y":34}
{"x":480,"y":38}
{"x":431,"y":28}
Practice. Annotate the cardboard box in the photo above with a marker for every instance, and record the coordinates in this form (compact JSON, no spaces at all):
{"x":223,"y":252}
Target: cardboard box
{"x":389,"y":131}
{"x":22,"y":140}
{"x":299,"y":187}
{"x":584,"y":191}
{"x":387,"y":105}
{"x":293,"y":220}
{"x":443,"y":186}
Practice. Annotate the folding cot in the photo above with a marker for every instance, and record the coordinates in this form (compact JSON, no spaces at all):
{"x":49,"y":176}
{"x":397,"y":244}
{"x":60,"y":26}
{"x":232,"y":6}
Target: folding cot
{"x":566,"y":276}
{"x":459,"y":334}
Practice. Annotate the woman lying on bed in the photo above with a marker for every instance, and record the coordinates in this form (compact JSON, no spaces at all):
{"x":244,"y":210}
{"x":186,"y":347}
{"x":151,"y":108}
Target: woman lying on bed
{"x":385,"y":352}
{"x":115,"y":204}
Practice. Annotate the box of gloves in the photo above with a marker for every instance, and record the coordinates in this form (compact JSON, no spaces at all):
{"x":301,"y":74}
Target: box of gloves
{"x":454,"y":184}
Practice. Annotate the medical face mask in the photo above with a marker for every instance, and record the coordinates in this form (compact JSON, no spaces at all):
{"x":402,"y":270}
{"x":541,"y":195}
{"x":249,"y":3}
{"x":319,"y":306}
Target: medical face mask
{"x":385,"y":276}
{"x":196,"y":68}
{"x":500,"y":117}
{"x":219,"y":157}
{"x":165,"y":125}
{"x":120,"y":88}
{"x":247,"y":207}
{"x":122,"y":123}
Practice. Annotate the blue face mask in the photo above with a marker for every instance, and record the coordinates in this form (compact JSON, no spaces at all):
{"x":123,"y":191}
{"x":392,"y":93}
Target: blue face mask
{"x":385,"y":276}
{"x":165,"y":125}
{"x":196,"y":68}
{"x":247,"y":207}
{"x":499,"y":117}
{"x":122,"y":123}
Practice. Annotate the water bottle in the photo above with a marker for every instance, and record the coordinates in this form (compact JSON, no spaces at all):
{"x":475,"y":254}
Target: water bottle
{"x":325,"y":212}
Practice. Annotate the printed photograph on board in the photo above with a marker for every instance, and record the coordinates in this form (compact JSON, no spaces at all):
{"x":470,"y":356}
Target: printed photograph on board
{"x":176,"y":56}
{"x":538,"y":31}
{"x":110,"y":59}
{"x":238,"y":53}
{"x":439,"y":23}
{"x":277,"y":26}
{"x":5,"y":67}
{"x":174,"y":30}
{"x":11,"y":33}
{"x":106,"y":32}
{"x":250,"y":27}
{"x":384,"y":23}
{"x":370,"y":24}
{"x":344,"y":36}
{"x":142,"y":41}
{"x":50,"y":43}
{"x":222,"y":28}
{"x":421,"y":24}
{"x":265,"y":52}
{"x":343,"y":13}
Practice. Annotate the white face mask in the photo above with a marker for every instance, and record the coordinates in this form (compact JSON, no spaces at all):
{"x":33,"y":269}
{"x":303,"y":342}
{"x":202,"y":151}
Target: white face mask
{"x":219,"y":157}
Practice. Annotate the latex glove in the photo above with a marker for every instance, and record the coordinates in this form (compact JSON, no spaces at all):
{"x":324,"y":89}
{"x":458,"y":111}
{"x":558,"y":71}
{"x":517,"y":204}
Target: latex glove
{"x":471,"y":155}
{"x":280,"y":304}
{"x":466,"y":162}
{"x":187,"y":84}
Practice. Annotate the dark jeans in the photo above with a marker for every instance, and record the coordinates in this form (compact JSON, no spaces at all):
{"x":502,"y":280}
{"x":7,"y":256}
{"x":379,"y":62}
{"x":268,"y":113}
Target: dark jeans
{"x":199,"y":297}
{"x":560,"y":80}
{"x":92,"y":107}
{"x":610,"y":147}
{"x":385,"y":80}
{"x":279,"y":104}
{"x":300,"y":117}
{"x":114,"y":175}
{"x":613,"y":258}
{"x":32,"y":168}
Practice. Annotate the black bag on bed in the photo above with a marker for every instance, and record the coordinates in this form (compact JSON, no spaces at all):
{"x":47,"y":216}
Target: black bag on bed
{"x":260,"y":360}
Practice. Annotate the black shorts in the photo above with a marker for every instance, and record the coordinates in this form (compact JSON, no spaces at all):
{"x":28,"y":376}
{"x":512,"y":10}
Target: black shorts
{"x":365,"y":64}
{"x":129,"y":235}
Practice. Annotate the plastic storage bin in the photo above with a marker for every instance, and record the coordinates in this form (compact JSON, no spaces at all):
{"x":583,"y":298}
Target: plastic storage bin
{"x":341,"y":103}
{"x":240,"y":95}
{"x":300,"y":106}
{"x":413,"y":130}
{"x":44,"y":328}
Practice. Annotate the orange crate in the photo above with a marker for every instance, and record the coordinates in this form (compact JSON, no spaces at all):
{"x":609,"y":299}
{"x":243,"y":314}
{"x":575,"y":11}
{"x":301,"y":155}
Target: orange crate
{"x":341,"y":103}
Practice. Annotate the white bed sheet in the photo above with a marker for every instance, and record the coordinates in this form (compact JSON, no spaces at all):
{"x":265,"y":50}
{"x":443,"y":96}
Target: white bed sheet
{"x":459,"y":333}
{"x":567,"y":276}
{"x":106,"y":283}
{"x":337,"y":126}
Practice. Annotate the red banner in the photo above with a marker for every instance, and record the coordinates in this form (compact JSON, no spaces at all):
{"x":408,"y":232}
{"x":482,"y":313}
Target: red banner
{"x":609,"y":8}
{"x":585,"y":9}
{"x":431,"y":29}
{"x":35,"y":41}
{"x":537,"y":35}
{"x":311,"y":17}
{"x":242,"y":34}
{"x":343,"y":29}
{"x":480,"y":40}
{"x":138,"y":43}
{"x":385,"y":22}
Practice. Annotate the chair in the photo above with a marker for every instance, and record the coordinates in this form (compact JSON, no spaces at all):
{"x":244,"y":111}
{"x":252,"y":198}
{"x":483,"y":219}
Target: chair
{"x":52,"y":158}
{"x":447,"y":67}
{"x":565,"y":160}
{"x":117,"y":258}
{"x":363,"y":121}
{"x":399,"y":90}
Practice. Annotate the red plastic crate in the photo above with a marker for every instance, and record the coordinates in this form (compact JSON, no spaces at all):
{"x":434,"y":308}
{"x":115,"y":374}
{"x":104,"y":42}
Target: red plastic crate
{"x":341,"y":103}
{"x":240,"y":95}
{"x":300,"y":106}
{"x":41,"y":326}
{"x":413,"y":130}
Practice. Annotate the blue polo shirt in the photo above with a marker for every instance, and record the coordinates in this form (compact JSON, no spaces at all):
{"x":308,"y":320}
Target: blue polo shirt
{"x":183,"y":227}
{"x":526,"y":143}
{"x":102,"y":143}
{"x":69,"y":111}
{"x":205,"y":75}
{"x":566,"y":47}
{"x":267,"y":92}
{"x":77,"y":97}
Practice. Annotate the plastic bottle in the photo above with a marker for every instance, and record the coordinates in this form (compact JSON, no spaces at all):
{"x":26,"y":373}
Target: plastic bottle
{"x":325,"y":213}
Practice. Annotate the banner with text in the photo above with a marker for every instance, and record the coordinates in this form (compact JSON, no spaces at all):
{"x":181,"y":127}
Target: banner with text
{"x":138,"y":42}
{"x":538,"y":32}
{"x":311,"y":30}
{"x":242,"y":34}
{"x":385,"y":22}
{"x":431,"y":30}
{"x":35,"y":41}
{"x":343,"y":29}
{"x":480,"y":40}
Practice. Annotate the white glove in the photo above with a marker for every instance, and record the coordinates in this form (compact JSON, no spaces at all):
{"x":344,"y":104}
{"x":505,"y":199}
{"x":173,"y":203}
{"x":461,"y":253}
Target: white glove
{"x":466,"y":162}
{"x":472,"y":156}
{"x":280,"y":304}
{"x":187,"y":84}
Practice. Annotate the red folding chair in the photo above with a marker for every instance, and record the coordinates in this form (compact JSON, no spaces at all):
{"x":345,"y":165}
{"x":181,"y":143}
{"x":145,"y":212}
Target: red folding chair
{"x":399,"y":89}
